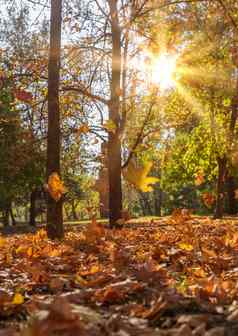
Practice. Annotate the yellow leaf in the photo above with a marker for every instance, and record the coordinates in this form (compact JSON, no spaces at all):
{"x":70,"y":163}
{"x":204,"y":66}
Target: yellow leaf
{"x":199,"y":178}
{"x":29,"y":252}
{"x":80,"y":280}
{"x":110,"y":126}
{"x":94,"y":269}
{"x":138,"y":176}
{"x":56,"y":187}
{"x":54,"y":253}
{"x":18,"y":299}
{"x":20,"y":249}
{"x":186,"y":246}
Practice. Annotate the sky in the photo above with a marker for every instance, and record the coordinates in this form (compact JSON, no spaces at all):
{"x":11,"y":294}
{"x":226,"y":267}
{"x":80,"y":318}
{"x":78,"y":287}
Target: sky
{"x":37,"y":11}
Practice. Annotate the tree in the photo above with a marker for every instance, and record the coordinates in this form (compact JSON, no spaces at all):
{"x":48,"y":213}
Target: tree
{"x":114,"y":142}
{"x":54,"y":208}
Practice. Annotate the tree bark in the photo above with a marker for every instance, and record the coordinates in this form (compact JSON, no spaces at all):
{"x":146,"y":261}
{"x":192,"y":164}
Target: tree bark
{"x":230,"y":180}
{"x":114,"y":142}
{"x":219,"y":209}
{"x":157,"y":201}
{"x":32,"y":212}
{"x":145,"y":205}
{"x":6,"y":217}
{"x":12,"y":216}
{"x":231,"y":200}
{"x":74,"y":213}
{"x":54,"y":209}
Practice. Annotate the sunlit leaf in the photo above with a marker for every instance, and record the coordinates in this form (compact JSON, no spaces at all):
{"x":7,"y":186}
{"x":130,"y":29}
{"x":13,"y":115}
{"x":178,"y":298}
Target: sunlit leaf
{"x":110,"y":126}
{"x":227,"y":102}
{"x":199,"y":179}
{"x":138,"y":176}
{"x":18,"y":299}
{"x":186,"y":246}
{"x":56,"y":187}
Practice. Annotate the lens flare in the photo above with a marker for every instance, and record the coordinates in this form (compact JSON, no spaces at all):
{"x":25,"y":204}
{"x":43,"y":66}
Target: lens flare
{"x":162,"y":71}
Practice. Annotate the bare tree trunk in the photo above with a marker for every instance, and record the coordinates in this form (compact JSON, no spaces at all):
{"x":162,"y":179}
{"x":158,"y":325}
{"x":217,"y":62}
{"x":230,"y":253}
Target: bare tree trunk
{"x":220,"y":187}
{"x":6,"y":217}
{"x":54,"y":209}
{"x":231,"y":200}
{"x":157,"y":201}
{"x":114,"y":142}
{"x":12,"y":215}
{"x":32,"y":212}
{"x":74,"y":213}
{"x":230,"y":180}
{"x":146,"y":205}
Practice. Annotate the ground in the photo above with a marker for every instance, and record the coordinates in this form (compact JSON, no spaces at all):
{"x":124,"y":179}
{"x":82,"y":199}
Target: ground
{"x":170,"y":276}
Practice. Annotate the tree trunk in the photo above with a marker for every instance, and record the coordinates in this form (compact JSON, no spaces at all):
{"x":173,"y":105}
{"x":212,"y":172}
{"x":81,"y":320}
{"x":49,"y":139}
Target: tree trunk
{"x":32,"y":213}
{"x":54,"y":209}
{"x":231,"y":200}
{"x":114,"y":142}
{"x":146,"y":205}
{"x":12,"y":216}
{"x":74,"y":213}
{"x":6,"y":217}
{"x":157,"y":201}
{"x":220,"y":187}
{"x":230,"y":180}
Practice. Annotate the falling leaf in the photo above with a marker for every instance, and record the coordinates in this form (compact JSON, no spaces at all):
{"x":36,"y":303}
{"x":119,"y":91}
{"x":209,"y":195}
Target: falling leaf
{"x":94,"y":231}
{"x":110,"y":126}
{"x":139,"y":176}
{"x":199,"y":179}
{"x":18,"y":299}
{"x":208,"y":199}
{"x":56,"y":187}
{"x":227,"y":102}
{"x":23,"y":95}
{"x":83,"y":129}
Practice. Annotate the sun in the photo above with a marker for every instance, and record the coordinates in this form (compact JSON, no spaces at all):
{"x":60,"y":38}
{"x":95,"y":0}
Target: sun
{"x":163,"y":70}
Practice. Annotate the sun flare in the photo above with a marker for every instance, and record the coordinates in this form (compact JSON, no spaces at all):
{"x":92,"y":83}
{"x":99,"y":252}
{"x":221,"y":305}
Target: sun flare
{"x":163,"y":70}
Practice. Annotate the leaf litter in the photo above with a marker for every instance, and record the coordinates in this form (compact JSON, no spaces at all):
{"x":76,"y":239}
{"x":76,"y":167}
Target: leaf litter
{"x":173,"y":276}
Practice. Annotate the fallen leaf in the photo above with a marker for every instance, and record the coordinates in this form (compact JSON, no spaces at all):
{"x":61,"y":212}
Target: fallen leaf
{"x":18,"y":299}
{"x":186,"y":246}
